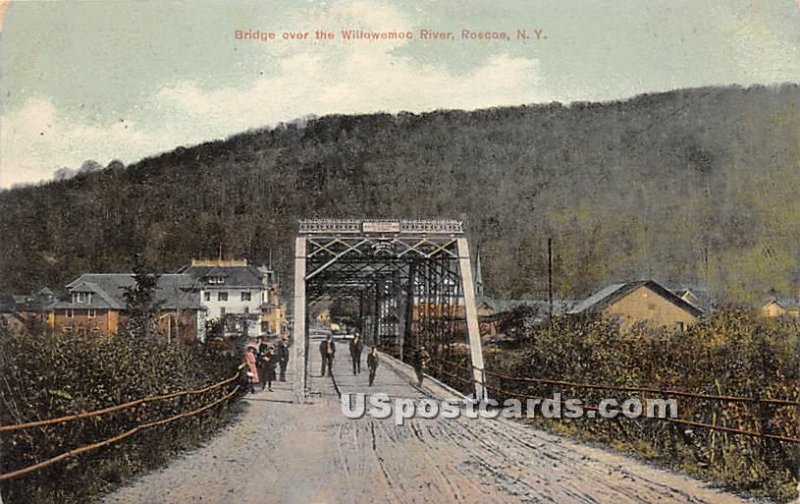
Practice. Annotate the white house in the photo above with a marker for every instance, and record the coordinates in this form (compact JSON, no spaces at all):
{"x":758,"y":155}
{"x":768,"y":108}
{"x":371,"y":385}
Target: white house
{"x":231,"y":288}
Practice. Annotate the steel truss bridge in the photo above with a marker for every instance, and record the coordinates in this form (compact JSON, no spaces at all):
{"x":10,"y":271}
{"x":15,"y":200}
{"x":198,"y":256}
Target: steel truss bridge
{"x":412,"y":280}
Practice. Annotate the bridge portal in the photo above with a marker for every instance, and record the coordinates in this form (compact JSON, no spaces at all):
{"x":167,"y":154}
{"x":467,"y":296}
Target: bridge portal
{"x":412,"y":281}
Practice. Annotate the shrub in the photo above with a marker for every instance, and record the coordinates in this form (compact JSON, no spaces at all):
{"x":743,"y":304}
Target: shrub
{"x":733,"y":353}
{"x":45,"y":376}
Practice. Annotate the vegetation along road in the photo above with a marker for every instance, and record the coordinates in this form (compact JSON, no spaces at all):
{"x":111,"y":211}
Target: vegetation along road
{"x":283,"y":452}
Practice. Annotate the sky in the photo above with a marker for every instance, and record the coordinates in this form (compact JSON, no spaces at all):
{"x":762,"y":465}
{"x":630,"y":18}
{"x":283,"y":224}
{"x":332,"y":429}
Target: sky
{"x":122,"y":80}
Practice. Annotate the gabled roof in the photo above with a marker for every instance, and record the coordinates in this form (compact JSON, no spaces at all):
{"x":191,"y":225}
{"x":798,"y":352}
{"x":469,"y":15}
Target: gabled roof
{"x":101,"y":298}
{"x":235,"y":276}
{"x":786,"y":303}
{"x":216,"y":271}
{"x":40,"y":301}
{"x":173,"y":291}
{"x":699,"y":297}
{"x":614,"y":292}
{"x":45,"y":292}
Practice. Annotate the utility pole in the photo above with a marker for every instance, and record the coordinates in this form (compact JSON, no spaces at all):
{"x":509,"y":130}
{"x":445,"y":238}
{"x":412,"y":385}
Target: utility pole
{"x":550,"y":275}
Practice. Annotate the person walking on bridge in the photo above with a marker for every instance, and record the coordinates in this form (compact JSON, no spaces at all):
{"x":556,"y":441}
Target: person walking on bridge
{"x":327,"y":350}
{"x":267,"y":369}
{"x":421,"y":365}
{"x":283,"y":357}
{"x":356,"y":347}
{"x":261,"y":346}
{"x":372,"y":364}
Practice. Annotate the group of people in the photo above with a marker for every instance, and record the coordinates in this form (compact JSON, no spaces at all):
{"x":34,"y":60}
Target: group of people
{"x":327,"y":350}
{"x":261,"y":361}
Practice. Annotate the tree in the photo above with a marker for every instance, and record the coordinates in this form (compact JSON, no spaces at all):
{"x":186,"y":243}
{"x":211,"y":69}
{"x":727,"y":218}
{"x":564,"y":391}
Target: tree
{"x":142,"y":304}
{"x":115,"y":165}
{"x":90,"y":166}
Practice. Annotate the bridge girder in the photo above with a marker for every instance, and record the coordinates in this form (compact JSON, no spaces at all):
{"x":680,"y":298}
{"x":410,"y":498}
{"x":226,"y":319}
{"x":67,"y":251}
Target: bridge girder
{"x":413,"y":273}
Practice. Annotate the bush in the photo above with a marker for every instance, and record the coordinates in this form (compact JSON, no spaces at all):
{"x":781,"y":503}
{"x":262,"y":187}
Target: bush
{"x":46,"y":376}
{"x":733,"y":353}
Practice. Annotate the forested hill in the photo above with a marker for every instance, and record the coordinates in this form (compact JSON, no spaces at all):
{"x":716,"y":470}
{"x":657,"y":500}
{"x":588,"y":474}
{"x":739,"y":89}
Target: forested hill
{"x":684,"y":187}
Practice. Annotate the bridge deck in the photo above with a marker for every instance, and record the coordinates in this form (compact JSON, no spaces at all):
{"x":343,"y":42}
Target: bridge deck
{"x":283,"y":452}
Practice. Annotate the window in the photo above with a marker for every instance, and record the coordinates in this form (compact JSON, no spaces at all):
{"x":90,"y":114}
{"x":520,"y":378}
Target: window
{"x":245,"y":296}
{"x":222,"y":296}
{"x":247,"y":309}
{"x":67,"y":329}
{"x":207,"y":296}
{"x":216,"y":280}
{"x":681,"y":326}
{"x":70,"y":314}
{"x":222,"y":312}
{"x":81,"y":297}
{"x":92,"y":313}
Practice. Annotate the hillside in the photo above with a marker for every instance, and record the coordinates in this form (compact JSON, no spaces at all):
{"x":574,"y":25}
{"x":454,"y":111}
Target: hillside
{"x":687,"y":187}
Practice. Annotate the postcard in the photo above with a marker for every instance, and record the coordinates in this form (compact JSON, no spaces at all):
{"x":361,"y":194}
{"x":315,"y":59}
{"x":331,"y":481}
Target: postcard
{"x":399,"y":251}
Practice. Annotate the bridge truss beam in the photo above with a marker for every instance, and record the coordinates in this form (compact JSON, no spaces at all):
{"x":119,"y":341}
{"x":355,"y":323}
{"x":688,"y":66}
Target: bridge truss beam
{"x":412,"y":280}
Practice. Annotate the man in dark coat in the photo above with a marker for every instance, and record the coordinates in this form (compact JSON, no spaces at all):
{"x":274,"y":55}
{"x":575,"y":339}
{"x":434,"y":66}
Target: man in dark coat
{"x":261,"y":349}
{"x":283,"y":357}
{"x":267,"y":369}
{"x":356,"y":347}
{"x":262,"y":345}
{"x":422,"y":363}
{"x":372,"y":364}
{"x":327,"y":350}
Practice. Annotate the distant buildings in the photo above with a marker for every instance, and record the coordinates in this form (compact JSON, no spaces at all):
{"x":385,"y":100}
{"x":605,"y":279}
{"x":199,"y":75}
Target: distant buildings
{"x":96,"y":304}
{"x":492,"y":310}
{"x":246,"y":293}
{"x":36,"y":307}
{"x":643,"y":300}
{"x":777,"y":307}
{"x":242,"y":298}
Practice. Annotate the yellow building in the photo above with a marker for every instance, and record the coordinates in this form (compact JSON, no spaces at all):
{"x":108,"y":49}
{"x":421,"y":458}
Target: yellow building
{"x":323,"y":317}
{"x":772,"y":309}
{"x":273,"y":314}
{"x":644,"y":300}
{"x":779,"y":308}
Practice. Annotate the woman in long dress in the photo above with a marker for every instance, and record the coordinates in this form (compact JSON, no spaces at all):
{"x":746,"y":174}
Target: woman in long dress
{"x":252,"y":369}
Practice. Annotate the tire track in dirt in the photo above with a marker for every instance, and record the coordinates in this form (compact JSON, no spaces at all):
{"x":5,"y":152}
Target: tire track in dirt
{"x":600,"y":473}
{"x":434,"y":468}
{"x":547,"y":460}
{"x":348,"y":474}
{"x":441,"y":470}
{"x":555,"y":478}
{"x":312,"y":453}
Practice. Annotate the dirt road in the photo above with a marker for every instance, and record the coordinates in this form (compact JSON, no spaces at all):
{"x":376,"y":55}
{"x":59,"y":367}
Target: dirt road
{"x":283,"y":452}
